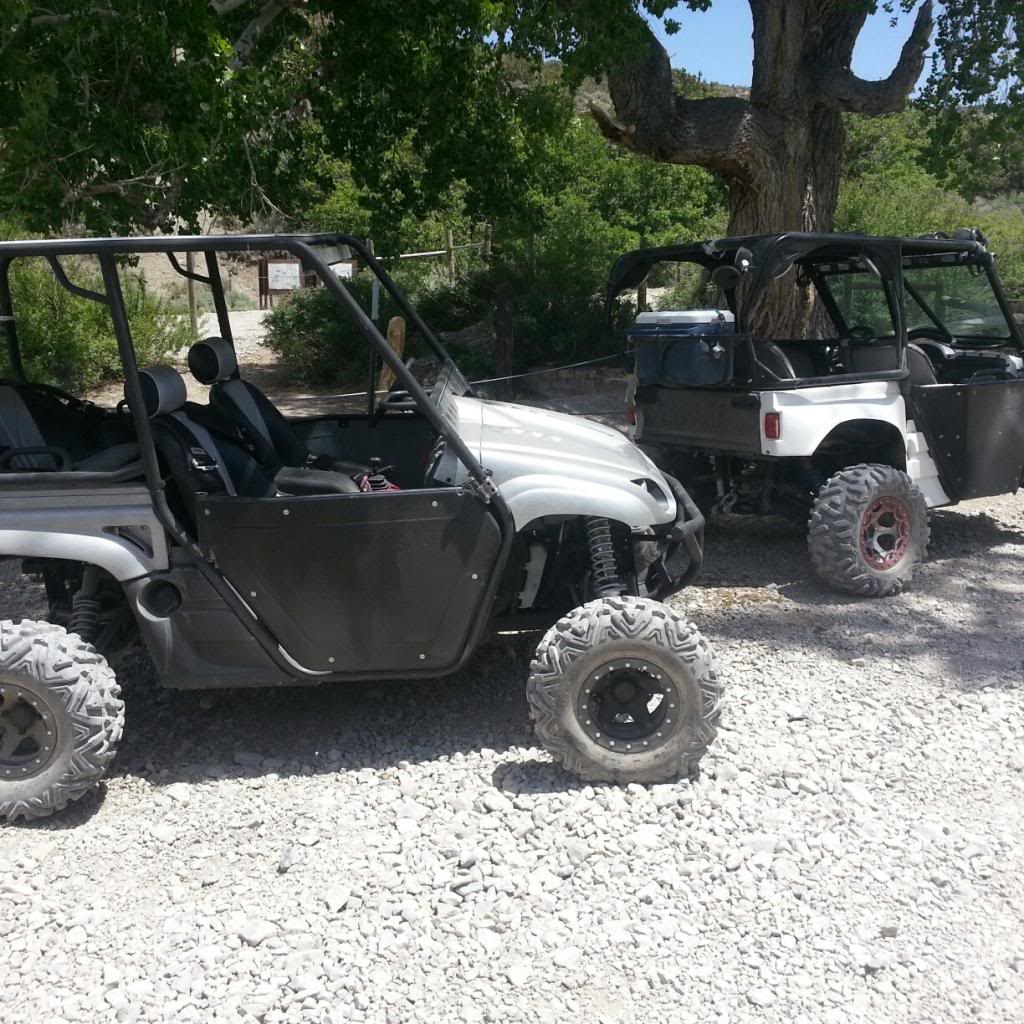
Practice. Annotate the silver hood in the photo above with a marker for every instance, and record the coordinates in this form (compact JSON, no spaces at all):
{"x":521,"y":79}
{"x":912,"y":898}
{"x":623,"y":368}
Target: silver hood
{"x":530,"y":451}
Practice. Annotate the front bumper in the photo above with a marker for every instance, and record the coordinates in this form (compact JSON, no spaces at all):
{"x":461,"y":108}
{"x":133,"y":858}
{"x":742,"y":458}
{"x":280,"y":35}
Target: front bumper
{"x":681,"y":547}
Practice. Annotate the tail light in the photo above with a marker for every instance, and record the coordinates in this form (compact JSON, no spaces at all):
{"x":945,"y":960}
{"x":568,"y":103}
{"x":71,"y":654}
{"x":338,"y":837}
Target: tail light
{"x":630,"y":413}
{"x":772,"y":426}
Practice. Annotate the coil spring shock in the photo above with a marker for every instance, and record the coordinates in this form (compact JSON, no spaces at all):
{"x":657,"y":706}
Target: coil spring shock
{"x":85,"y":608}
{"x":605,"y":571}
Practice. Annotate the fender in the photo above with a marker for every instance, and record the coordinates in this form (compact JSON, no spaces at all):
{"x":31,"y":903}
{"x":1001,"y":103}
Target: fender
{"x":536,"y":495}
{"x":114,"y":528}
{"x":809,"y":415}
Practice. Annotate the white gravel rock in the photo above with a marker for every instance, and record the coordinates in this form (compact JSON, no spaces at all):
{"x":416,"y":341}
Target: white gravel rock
{"x":253,"y":933}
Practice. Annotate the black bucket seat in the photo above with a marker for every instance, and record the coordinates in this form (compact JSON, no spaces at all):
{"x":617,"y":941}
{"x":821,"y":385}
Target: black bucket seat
{"x":274,"y":441}
{"x":44,"y":429}
{"x":203,"y":453}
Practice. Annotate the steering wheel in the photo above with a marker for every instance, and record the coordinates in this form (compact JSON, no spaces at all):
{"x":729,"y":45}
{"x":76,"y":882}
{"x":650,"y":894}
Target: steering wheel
{"x":932,"y":333}
{"x":396,"y":398}
{"x":860,"y":334}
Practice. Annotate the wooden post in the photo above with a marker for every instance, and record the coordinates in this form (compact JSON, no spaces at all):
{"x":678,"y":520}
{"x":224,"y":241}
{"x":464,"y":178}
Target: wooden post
{"x":486,"y":250}
{"x":396,"y":342}
{"x":190,"y":285}
{"x":449,"y":253}
{"x":641,"y":288}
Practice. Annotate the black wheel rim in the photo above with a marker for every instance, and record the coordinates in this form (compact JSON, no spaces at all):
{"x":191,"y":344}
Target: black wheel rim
{"x":629,"y":706}
{"x":28,"y":732}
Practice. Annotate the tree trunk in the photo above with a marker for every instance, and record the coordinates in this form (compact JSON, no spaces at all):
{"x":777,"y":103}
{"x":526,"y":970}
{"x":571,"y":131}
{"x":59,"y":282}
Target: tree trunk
{"x":781,"y":150}
{"x":792,"y":185}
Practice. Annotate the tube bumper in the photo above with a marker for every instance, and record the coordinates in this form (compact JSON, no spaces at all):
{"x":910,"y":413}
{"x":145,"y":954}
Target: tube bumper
{"x":668,"y":574}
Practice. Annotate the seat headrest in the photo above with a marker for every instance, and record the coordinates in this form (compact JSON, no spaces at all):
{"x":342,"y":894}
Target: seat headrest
{"x":163,"y":390}
{"x":211,"y":360}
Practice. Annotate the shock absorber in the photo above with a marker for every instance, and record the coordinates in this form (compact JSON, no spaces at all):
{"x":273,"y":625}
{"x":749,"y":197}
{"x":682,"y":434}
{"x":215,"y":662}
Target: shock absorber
{"x":85,"y":607}
{"x":604,"y":571}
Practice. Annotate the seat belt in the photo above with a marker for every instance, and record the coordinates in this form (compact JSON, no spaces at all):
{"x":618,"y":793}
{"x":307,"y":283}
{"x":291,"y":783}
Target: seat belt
{"x":204,"y":455}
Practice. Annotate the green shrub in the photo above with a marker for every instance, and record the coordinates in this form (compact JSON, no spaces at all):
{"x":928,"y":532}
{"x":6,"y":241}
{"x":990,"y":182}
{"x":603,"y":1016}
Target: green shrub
{"x":445,"y":306}
{"x":318,"y":342}
{"x":69,"y":341}
{"x":692,"y":289}
{"x":177,"y":298}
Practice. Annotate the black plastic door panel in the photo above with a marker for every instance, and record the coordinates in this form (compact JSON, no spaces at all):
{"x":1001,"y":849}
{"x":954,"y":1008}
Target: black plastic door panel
{"x":975,"y":434}
{"x":361,"y":583}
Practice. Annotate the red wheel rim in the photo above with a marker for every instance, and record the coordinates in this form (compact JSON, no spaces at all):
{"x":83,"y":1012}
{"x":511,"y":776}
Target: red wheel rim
{"x":885,"y":533}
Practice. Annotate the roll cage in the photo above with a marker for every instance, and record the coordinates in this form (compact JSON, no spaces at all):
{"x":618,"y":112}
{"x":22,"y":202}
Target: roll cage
{"x":761,"y":260}
{"x":109,"y":250}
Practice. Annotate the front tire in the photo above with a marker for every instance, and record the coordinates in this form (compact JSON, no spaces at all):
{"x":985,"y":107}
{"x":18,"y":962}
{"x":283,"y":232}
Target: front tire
{"x":624,"y":690}
{"x":868,"y":530}
{"x":61,"y":718}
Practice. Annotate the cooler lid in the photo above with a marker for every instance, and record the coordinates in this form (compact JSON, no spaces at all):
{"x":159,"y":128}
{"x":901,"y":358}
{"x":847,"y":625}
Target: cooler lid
{"x":687,"y":317}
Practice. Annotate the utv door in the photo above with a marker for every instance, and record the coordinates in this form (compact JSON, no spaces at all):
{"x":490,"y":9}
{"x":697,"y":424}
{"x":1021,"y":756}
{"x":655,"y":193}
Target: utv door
{"x":975,"y":434}
{"x":387,"y":582}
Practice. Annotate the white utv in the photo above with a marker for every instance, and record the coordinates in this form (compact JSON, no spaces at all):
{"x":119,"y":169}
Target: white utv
{"x":907,"y":392}
{"x":242,"y":548}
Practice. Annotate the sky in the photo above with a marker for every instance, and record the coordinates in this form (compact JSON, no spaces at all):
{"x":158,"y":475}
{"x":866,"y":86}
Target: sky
{"x":717,"y":43}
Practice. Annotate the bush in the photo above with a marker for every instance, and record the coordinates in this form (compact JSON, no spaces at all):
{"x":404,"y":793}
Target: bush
{"x":446,"y":306}
{"x":692,"y":290}
{"x":177,"y":299}
{"x":318,"y":342}
{"x":69,"y":341}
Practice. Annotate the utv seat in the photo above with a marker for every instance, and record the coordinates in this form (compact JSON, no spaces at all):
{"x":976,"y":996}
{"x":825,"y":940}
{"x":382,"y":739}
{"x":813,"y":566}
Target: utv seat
{"x":205,"y":454}
{"x":52,"y":436}
{"x":806,"y":358}
{"x":773,"y":359}
{"x":879,"y":358}
{"x":275,"y":443}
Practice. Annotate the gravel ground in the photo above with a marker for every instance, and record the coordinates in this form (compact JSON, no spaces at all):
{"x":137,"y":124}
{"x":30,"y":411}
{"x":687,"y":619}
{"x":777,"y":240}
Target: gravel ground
{"x":853,"y":851}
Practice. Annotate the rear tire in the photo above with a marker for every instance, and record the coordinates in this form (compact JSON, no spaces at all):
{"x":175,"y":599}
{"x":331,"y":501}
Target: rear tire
{"x":61,"y":718}
{"x":624,"y":690}
{"x":868,"y":530}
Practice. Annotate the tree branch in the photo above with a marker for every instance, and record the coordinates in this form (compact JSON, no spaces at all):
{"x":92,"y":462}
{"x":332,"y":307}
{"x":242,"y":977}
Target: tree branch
{"x":841,"y":89}
{"x":651,"y":119}
{"x":227,"y":6}
{"x":246,"y":42}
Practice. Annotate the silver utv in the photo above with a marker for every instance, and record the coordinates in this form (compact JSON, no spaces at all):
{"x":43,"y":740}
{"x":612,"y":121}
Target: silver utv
{"x":243,"y":548}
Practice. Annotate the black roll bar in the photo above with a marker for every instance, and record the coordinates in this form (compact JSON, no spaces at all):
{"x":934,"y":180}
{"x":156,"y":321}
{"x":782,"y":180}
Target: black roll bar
{"x":384,"y":350}
{"x":219,"y":302}
{"x":106,"y":250}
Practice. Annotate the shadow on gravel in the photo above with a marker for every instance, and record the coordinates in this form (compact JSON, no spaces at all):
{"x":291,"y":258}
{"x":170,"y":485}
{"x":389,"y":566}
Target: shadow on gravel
{"x":536,"y":777}
{"x":188,"y":736}
{"x":962,"y":611}
{"x":957,"y":534}
{"x":962,"y":619}
{"x":71,"y":817}
{"x":754,"y":551}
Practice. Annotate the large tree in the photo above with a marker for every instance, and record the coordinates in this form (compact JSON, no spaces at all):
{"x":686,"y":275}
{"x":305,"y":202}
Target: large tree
{"x":781,"y":148}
